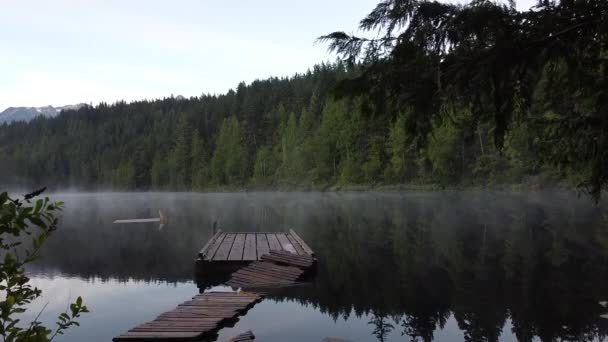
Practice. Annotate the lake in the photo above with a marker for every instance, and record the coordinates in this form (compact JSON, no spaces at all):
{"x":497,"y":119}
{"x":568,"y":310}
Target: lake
{"x":442,"y":266}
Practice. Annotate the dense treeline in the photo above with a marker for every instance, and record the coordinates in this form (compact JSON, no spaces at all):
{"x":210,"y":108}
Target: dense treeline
{"x":447,"y":94}
{"x":280,"y":133}
{"x":545,"y":68}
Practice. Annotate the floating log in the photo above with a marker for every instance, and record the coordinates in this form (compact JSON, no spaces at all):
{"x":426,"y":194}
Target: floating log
{"x":244,"y":337}
{"x":161,"y":218}
{"x":138,"y":220}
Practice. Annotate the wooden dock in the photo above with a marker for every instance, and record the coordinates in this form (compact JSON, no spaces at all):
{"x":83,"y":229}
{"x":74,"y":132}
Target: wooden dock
{"x":258,"y":262}
{"x":193,"y":319}
{"x":247,"y":247}
{"x":276,"y":269}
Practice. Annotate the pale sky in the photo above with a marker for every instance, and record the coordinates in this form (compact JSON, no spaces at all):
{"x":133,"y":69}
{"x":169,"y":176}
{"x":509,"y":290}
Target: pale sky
{"x":60,"y":52}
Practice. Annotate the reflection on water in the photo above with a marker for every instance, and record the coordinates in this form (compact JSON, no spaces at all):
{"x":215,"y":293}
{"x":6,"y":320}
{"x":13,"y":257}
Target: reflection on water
{"x":118,"y":305}
{"x":392,"y":267}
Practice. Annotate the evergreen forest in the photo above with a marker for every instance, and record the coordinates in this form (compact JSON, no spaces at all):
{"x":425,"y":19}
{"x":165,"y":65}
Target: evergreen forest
{"x":447,"y":95}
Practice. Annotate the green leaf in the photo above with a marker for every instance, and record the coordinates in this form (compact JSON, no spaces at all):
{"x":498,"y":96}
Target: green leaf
{"x":37,"y":221}
{"x":39,"y":204}
{"x":10,"y":300}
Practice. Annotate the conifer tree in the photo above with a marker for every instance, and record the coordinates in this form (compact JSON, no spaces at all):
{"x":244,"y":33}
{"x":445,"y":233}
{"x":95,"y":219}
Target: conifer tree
{"x":180,"y":156}
{"x":199,"y":167}
{"x":228,"y":162}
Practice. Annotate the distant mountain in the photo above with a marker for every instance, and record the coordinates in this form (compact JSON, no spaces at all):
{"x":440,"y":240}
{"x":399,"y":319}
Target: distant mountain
{"x":11,"y":114}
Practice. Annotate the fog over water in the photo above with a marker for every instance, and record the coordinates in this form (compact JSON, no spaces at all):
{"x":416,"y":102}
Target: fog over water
{"x":427,"y":266}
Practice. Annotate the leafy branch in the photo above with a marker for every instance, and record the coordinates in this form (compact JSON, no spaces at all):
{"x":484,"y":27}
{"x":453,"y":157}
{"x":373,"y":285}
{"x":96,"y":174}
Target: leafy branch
{"x":25,"y":224}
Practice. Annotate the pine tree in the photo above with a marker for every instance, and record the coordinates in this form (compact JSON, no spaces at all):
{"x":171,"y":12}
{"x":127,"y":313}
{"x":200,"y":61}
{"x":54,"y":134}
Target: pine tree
{"x":159,"y":172}
{"x":199,"y":167}
{"x":372,"y":167}
{"x":180,"y":157}
{"x":266,"y":163}
{"x":327,"y":141}
{"x":123,"y":177}
{"x":443,"y":152}
{"x":289,"y":142}
{"x":399,"y":151}
{"x":228,"y":162}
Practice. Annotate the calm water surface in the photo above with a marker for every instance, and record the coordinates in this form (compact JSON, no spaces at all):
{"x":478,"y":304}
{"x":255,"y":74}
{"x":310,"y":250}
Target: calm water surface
{"x":447,"y":266}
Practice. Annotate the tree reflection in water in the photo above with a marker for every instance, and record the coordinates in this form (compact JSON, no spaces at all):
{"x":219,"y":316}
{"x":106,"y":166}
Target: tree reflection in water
{"x":532,"y":263}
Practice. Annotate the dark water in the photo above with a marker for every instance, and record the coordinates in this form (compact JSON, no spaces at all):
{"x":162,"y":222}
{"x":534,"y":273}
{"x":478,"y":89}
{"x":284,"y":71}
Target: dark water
{"x":445,"y":266}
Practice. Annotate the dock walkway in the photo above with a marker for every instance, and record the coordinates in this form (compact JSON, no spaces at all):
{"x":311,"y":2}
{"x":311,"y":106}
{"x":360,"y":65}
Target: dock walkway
{"x":265,"y":260}
{"x":276,"y":269}
{"x":195,"y":318}
{"x":245,"y":246}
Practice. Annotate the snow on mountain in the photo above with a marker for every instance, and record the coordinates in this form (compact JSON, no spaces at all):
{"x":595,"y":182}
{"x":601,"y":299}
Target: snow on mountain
{"x":26,"y":114}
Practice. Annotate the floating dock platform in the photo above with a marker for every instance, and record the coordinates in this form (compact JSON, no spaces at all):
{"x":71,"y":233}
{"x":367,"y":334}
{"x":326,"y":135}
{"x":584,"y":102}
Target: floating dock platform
{"x":226,"y":252}
{"x":244,"y":246}
{"x":259,"y":263}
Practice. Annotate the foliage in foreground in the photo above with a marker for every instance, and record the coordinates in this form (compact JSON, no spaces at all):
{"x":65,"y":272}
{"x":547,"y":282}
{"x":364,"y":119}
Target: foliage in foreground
{"x":25,"y":225}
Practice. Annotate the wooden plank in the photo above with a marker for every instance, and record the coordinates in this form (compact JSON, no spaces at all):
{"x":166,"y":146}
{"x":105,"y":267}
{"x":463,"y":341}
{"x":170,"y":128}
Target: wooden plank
{"x":255,"y":280}
{"x":273,"y":242}
{"x":215,"y":246}
{"x":285,"y":254}
{"x":200,"y":314}
{"x":246,"y":336}
{"x":224,"y":249}
{"x":285,"y":259}
{"x":202,"y":301}
{"x":296,"y":245}
{"x":262,"y":245}
{"x":287,"y":273}
{"x":258,"y":274}
{"x":138,"y":220}
{"x":302,"y":243}
{"x":287,"y":246}
{"x":194,"y":318}
{"x":217,"y":294}
{"x":203,"y":250}
{"x":250,"y":252}
{"x":184,"y":318}
{"x":171,"y":316}
{"x":285,"y":270}
{"x":195,"y":305}
{"x":252,"y":282}
{"x":236,"y":252}
{"x":155,"y":334}
{"x":186,"y":322}
{"x":197,"y":314}
{"x":165,"y":328}
{"x":252,"y":278}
